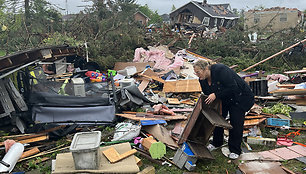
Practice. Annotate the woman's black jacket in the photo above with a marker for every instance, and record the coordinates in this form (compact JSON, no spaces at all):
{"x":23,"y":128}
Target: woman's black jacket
{"x":229,"y":87}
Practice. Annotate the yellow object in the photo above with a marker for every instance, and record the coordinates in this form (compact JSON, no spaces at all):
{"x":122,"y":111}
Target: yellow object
{"x":4,"y":28}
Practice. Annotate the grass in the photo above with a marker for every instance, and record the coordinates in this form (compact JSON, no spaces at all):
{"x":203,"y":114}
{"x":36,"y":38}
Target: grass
{"x":220,"y":164}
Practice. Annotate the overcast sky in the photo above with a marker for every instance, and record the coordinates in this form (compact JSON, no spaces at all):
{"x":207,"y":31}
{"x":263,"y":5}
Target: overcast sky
{"x":164,"y":6}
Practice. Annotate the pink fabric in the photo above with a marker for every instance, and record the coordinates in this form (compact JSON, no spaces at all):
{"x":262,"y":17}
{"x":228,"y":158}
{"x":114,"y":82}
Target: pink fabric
{"x":278,"y":77}
{"x":157,"y":56}
{"x":8,"y":144}
{"x":178,"y":61}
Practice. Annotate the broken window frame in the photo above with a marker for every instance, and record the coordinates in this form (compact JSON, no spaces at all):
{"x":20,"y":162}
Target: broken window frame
{"x":221,"y":22}
{"x":228,"y":24}
{"x":216,"y":22}
{"x":283,"y":17}
{"x":206,"y":21}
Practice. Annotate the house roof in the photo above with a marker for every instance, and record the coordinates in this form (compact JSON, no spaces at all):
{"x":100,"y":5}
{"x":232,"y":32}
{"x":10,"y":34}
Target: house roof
{"x":142,"y":14}
{"x":274,"y":9}
{"x":214,"y":10}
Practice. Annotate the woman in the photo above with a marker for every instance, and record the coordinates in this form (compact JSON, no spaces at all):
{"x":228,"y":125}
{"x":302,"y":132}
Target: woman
{"x":219,"y":81}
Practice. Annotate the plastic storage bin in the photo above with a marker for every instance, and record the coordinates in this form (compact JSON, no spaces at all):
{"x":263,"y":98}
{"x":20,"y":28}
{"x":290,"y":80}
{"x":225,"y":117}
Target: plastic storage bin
{"x":85,"y":150}
{"x":278,"y":122}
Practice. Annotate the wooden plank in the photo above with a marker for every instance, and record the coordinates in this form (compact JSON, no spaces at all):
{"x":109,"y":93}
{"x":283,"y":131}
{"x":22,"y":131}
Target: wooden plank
{"x":113,"y":156}
{"x":156,"y":78}
{"x":253,"y":122}
{"x":274,"y":55}
{"x":44,"y":153}
{"x":143,"y":85}
{"x":190,"y":85}
{"x":35,"y":139}
{"x":31,"y":140}
{"x":140,"y":66}
{"x":296,"y":72}
{"x":281,"y":92}
{"x":301,"y":102}
{"x":173,"y":101}
{"x":286,"y":85}
{"x":191,"y":121}
{"x":134,"y":117}
{"x":30,"y":152}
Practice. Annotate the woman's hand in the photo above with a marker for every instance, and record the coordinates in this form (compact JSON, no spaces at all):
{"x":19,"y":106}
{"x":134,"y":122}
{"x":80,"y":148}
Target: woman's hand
{"x":210,"y":98}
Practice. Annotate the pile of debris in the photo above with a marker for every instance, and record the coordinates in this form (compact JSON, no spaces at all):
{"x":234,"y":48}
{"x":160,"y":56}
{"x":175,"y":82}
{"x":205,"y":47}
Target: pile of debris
{"x":155,"y":103}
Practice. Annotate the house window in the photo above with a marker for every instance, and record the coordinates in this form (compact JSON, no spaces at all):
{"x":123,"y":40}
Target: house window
{"x":283,"y":17}
{"x":206,"y":21}
{"x":256,"y":18}
{"x":221,"y":22}
{"x":228,"y":24}
{"x":216,"y":21}
{"x":233,"y":23}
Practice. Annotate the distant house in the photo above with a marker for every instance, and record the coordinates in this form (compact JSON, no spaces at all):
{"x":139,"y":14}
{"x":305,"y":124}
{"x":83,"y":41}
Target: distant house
{"x":141,"y":18}
{"x":166,"y":18}
{"x":202,"y":14}
{"x":272,"y":19}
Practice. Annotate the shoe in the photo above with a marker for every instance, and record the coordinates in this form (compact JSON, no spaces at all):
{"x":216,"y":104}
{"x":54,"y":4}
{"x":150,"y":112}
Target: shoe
{"x":233,"y":156}
{"x":211,"y":147}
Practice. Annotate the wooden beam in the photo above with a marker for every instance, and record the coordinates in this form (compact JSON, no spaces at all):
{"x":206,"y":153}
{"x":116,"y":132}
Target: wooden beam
{"x":274,"y":55}
{"x":113,"y":156}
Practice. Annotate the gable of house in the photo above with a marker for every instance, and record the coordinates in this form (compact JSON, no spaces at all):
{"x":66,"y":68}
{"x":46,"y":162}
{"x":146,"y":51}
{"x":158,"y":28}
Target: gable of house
{"x":203,"y":14}
{"x":141,"y":18}
{"x":273,"y":19}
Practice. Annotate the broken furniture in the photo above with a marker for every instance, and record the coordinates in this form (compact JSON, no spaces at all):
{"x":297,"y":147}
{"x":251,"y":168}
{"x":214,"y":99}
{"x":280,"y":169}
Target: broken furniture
{"x":184,"y":157}
{"x":259,"y":87}
{"x":48,"y":106}
{"x":203,"y":120}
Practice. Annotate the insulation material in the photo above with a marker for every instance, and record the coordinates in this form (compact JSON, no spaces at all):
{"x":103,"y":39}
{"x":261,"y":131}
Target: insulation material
{"x":157,"y":56}
{"x":178,"y":61}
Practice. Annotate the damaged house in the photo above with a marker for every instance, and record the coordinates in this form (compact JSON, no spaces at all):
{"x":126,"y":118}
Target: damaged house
{"x":273,"y":19}
{"x":197,"y":14}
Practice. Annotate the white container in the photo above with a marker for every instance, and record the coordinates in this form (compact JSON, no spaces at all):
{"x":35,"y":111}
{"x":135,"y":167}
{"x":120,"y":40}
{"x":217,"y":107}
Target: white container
{"x":85,"y":150}
{"x":126,"y":82}
{"x":78,"y":87}
{"x":11,"y":157}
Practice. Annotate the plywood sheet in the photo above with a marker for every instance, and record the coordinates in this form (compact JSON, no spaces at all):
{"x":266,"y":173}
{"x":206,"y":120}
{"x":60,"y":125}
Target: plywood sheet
{"x":143,"y":85}
{"x":256,"y":167}
{"x":190,"y":85}
{"x":65,"y":163}
{"x":173,"y":101}
{"x":269,"y":155}
{"x":298,"y":149}
{"x":140,"y":66}
{"x":162,"y":134}
{"x":285,"y":153}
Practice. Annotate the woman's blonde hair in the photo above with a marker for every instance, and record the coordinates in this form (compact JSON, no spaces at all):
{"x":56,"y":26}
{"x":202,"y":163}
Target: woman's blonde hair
{"x":203,"y":64}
